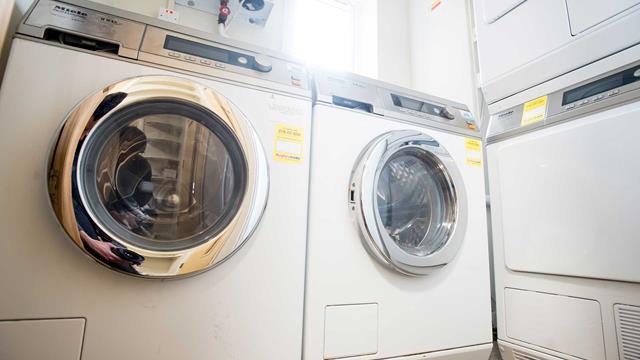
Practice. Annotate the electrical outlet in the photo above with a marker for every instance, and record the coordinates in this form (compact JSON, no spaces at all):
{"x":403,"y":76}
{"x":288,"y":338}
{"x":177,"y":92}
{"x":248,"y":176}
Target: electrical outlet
{"x":169,"y":15}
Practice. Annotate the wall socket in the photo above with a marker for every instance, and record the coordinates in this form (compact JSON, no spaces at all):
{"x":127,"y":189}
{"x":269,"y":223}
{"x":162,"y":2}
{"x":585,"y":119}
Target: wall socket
{"x":169,"y":15}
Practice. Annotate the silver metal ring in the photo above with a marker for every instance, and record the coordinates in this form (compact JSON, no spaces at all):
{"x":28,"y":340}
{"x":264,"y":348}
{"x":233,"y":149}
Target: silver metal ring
{"x":124,"y":251}
{"x":364,"y":204}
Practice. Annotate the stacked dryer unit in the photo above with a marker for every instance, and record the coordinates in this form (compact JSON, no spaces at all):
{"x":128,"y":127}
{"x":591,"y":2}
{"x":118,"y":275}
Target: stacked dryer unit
{"x":523,"y":43}
{"x":397,"y":260}
{"x":160,"y":155}
{"x":563,"y":174}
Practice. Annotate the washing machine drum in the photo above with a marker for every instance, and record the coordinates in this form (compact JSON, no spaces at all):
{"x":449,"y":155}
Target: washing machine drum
{"x":409,"y":202}
{"x":158,"y":176}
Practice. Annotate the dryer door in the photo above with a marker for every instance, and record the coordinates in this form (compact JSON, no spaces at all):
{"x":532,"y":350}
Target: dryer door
{"x":409,"y":202}
{"x":158,"y":177}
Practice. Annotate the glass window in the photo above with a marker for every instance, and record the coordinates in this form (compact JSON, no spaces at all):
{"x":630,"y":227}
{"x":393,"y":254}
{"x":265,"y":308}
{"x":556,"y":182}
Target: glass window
{"x":334,"y":34}
{"x":169,"y":172}
{"x":415,"y":201}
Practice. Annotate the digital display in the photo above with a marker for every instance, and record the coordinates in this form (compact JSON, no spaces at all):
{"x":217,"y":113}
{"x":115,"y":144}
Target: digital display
{"x":410,"y":103}
{"x":416,"y":105}
{"x":599,"y":86}
{"x":407,"y":103}
{"x":196,"y":49}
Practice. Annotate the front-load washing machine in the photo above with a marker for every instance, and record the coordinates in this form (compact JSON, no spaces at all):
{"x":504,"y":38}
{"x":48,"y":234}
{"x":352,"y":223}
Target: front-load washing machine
{"x":397,"y":257}
{"x":159,"y":155}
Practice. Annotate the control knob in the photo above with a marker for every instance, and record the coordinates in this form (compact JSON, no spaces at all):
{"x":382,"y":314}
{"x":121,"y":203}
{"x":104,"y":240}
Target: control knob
{"x":445,"y":113}
{"x":262,"y":63}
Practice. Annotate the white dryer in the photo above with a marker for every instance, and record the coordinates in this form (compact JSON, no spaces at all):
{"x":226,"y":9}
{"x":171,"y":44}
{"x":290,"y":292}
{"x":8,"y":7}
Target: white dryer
{"x":563,"y":175}
{"x":397,"y":260}
{"x":160,"y":155}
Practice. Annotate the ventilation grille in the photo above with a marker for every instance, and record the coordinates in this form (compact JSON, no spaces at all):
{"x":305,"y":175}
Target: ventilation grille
{"x":518,"y":355}
{"x":628,"y":329}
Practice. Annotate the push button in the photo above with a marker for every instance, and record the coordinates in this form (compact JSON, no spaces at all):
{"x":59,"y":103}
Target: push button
{"x":243,"y":60}
{"x":205,"y":62}
{"x":174,"y":54}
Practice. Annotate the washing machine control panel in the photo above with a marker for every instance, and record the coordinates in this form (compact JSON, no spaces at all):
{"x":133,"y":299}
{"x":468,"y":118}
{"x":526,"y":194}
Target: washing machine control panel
{"x":191,"y":53}
{"x":110,"y":35}
{"x":434,"y":110}
{"x":363,"y":94}
{"x":209,"y":55}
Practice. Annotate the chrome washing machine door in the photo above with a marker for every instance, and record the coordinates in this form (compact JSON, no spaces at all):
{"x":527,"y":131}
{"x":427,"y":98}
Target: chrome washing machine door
{"x":158,"y":177}
{"x":409,"y":202}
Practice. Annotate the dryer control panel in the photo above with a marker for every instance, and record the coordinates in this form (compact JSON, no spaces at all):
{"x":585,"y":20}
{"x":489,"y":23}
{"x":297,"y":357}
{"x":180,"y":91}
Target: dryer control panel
{"x":610,"y":89}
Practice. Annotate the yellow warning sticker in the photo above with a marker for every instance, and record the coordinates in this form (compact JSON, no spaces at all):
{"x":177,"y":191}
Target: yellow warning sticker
{"x":534,"y":111}
{"x":474,"y":151}
{"x":288,"y":144}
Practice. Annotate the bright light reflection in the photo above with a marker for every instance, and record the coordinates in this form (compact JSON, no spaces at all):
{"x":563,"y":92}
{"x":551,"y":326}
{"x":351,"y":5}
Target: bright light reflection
{"x":323,"y":33}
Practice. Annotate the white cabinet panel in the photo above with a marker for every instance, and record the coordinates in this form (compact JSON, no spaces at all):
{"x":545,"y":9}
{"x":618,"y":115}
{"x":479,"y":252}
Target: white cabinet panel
{"x":566,"y":324}
{"x":55,"y":339}
{"x":570,"y":198}
{"x":495,"y":9}
{"x":350,"y":330}
{"x":529,"y":30}
{"x":583,"y":14}
{"x":523,"y":44}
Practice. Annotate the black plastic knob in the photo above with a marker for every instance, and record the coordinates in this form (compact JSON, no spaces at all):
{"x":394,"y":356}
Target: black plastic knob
{"x":445,"y":113}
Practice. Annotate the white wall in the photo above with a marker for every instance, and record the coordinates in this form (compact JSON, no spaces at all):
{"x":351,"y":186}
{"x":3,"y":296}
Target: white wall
{"x":441,"y":61}
{"x":366,"y":38}
{"x":394,"y":34}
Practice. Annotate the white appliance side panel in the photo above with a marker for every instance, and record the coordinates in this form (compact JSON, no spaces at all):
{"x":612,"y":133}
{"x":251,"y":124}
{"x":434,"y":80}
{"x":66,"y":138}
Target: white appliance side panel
{"x":569,"y":197}
{"x":51,"y":339}
{"x":562,"y":323}
{"x":249,"y":307}
{"x":447,"y":309}
{"x":584,"y":14}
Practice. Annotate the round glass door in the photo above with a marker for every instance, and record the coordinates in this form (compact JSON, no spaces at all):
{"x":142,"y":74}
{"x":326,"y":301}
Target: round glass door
{"x":160,"y":183}
{"x":415,"y":201}
{"x":409,"y":201}
{"x":165,"y":174}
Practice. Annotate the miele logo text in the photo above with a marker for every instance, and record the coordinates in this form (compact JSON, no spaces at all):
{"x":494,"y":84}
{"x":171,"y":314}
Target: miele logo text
{"x":508,"y":113}
{"x":110,"y":21}
{"x":69,"y":11}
